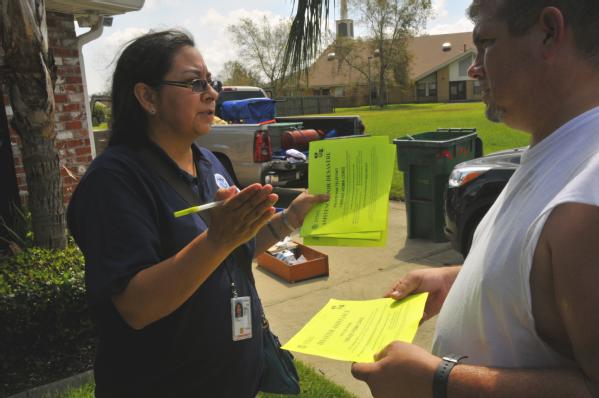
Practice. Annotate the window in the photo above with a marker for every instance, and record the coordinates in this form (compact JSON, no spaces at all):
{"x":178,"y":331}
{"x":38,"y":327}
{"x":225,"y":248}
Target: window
{"x":432,"y":89}
{"x":464,"y":65}
{"x":421,"y":89}
{"x":325,"y":91}
{"x":339,"y":92}
{"x":476,"y":89}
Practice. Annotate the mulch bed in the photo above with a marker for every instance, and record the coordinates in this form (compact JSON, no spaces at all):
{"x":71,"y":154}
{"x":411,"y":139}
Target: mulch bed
{"x":23,"y":373}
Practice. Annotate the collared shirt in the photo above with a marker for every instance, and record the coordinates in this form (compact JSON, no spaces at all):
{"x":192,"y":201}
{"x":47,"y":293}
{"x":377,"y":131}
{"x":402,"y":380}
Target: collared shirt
{"x":121,"y":216}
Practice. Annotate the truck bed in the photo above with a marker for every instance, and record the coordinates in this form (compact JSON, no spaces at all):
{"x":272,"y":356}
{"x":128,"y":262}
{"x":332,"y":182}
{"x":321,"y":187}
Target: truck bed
{"x":233,"y":144}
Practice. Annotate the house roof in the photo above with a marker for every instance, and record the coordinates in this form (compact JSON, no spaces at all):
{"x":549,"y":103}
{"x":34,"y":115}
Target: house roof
{"x":427,"y":57}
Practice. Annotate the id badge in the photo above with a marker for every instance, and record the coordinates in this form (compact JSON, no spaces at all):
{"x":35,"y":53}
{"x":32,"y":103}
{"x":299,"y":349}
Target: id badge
{"x":241,"y":318}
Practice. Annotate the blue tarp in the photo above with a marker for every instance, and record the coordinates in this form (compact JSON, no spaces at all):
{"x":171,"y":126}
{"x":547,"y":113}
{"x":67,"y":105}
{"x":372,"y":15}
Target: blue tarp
{"x":251,"y":110}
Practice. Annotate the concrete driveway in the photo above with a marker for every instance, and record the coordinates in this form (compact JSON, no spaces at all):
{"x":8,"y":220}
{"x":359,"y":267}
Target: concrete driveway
{"x":354,"y":274}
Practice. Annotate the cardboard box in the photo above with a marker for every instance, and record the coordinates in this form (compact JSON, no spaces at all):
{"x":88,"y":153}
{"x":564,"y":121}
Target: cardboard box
{"x":317,"y":265}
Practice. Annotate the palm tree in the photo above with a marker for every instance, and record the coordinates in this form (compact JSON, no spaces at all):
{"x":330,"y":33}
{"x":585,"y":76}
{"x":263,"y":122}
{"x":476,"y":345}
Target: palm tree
{"x":30,"y":75}
{"x":305,"y":34}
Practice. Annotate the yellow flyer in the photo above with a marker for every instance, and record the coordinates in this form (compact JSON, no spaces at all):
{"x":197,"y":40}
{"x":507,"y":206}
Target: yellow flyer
{"x":357,"y":174}
{"x":357,"y":330}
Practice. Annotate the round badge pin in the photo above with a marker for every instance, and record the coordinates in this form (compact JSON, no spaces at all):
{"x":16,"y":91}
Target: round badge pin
{"x":221,"y":181}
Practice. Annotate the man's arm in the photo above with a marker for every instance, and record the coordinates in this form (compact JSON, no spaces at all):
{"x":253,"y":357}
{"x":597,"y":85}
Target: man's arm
{"x":572,"y":235}
{"x":404,"y":369}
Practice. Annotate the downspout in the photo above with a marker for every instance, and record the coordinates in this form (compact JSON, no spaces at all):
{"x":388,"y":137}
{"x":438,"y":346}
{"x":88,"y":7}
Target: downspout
{"x":91,"y":35}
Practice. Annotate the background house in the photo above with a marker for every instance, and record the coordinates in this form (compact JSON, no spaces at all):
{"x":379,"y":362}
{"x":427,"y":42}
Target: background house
{"x":74,"y":138}
{"x":438,"y":72}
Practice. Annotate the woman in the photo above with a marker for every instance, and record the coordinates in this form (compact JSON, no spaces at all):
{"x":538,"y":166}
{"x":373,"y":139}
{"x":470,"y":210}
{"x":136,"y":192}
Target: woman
{"x":164,"y":289}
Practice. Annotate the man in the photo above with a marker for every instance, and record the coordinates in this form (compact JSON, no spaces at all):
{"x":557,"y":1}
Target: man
{"x":523,"y":307}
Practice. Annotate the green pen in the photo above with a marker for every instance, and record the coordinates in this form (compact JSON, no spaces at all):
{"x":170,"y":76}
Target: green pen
{"x":197,"y":209}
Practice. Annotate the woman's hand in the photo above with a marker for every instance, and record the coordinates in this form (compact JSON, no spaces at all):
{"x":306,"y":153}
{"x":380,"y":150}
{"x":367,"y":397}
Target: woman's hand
{"x":436,"y":282}
{"x":242,"y":214}
{"x":301,"y":205}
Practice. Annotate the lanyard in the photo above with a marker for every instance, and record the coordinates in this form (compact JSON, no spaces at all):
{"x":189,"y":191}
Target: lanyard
{"x":234,"y":292}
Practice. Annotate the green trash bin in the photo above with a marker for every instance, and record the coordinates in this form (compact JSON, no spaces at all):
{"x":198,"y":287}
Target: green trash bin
{"x":427,"y":159}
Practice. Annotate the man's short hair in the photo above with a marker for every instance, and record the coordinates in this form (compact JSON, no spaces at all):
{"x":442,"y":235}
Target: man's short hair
{"x":582,"y":16}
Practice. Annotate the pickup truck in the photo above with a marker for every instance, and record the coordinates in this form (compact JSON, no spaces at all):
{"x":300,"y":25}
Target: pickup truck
{"x":253,"y":152}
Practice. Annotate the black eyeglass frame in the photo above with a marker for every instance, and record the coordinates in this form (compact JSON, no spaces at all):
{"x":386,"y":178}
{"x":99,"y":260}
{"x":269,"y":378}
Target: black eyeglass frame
{"x":196,"y":85}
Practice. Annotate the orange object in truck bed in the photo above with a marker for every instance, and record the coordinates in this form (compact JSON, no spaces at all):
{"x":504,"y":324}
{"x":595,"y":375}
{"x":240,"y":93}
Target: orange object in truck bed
{"x":300,"y":139}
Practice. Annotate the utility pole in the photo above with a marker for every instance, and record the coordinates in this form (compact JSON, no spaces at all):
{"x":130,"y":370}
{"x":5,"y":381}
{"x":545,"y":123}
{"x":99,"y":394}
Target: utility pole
{"x":369,"y":84}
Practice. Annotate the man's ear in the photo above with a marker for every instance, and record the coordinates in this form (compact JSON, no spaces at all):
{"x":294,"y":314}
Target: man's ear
{"x":146,"y":96}
{"x":553,"y":25}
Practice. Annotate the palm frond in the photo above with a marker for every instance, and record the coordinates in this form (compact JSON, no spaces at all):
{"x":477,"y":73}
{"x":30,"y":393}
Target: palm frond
{"x":304,"y":37}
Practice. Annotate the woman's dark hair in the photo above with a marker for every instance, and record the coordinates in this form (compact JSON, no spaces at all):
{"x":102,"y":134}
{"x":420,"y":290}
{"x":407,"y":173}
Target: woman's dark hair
{"x":581,"y":16}
{"x":146,"y":59}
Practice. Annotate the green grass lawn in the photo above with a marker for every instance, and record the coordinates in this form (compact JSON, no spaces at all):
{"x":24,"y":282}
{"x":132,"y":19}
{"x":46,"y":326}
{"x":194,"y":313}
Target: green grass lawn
{"x":398,"y":120}
{"x":313,"y":385}
{"x":101,"y":126}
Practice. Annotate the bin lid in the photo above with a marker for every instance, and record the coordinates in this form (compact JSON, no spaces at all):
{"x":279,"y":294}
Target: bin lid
{"x":439,"y":138}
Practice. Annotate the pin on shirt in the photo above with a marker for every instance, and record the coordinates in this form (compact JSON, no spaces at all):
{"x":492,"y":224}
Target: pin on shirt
{"x":221,"y":181}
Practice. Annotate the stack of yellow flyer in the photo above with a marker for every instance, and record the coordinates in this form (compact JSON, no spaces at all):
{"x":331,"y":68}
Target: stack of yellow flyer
{"x":356,"y":173}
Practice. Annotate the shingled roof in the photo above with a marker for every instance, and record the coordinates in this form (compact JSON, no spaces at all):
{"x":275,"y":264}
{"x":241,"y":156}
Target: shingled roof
{"x":427,"y":57}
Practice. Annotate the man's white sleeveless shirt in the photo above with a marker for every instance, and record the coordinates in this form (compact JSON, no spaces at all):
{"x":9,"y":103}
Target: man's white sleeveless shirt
{"x":488,"y":314}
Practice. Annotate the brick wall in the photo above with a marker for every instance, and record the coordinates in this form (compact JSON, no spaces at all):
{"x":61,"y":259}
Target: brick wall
{"x":72,"y":138}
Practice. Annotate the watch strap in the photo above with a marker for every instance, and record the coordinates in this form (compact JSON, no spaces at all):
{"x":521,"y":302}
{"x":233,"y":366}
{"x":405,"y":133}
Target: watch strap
{"x":441,"y":376}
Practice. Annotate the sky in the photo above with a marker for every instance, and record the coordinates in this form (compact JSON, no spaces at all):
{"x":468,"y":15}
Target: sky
{"x":208,"y":21}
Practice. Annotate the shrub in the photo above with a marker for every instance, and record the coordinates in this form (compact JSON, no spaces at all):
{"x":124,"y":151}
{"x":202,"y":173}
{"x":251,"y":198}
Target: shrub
{"x":46,"y":330}
{"x":99,"y":113}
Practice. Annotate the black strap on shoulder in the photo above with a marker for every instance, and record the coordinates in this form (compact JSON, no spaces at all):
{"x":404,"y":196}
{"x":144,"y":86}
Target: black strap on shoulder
{"x":159,"y":165}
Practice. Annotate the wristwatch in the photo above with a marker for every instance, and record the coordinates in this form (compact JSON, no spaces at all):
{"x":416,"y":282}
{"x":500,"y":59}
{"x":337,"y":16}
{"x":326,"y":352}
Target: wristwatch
{"x":441,"y":376}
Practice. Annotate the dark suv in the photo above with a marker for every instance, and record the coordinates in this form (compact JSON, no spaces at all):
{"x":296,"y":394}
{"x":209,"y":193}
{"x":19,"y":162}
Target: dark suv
{"x":473,"y":187}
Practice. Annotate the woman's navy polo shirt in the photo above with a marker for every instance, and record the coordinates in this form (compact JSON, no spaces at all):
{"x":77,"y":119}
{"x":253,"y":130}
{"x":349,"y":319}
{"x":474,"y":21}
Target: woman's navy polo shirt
{"x":121,"y":216}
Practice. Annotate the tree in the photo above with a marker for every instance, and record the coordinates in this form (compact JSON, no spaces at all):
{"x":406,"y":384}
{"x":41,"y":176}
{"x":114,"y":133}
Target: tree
{"x":357,"y":54}
{"x":391,"y":23}
{"x":98,"y":113}
{"x":235,"y":74}
{"x":262,"y":47}
{"x":31,"y":74}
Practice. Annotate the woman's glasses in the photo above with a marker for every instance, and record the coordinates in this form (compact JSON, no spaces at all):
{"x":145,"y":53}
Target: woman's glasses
{"x":196,"y":85}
